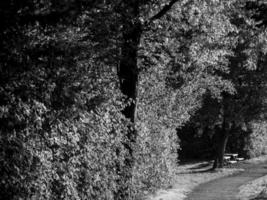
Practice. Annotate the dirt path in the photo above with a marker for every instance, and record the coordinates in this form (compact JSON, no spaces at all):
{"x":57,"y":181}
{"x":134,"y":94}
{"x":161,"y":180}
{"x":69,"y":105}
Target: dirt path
{"x":227,"y":188}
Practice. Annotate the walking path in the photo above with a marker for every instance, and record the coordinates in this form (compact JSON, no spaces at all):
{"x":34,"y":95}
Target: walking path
{"x":228,"y":187}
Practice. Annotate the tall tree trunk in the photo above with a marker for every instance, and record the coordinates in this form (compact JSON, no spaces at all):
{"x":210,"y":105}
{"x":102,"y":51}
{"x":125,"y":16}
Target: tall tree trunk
{"x":222,"y":147}
{"x":128,"y":76}
{"x":221,"y":140}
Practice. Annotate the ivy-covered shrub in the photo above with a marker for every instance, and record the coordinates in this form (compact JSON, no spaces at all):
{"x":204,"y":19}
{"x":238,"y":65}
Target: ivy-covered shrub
{"x":155,"y":150}
{"x":75,"y":157}
{"x":256,"y":142}
{"x":155,"y":160}
{"x":62,"y":131}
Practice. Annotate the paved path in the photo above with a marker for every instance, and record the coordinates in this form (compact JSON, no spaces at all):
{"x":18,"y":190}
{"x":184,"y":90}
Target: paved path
{"x":227,"y":188}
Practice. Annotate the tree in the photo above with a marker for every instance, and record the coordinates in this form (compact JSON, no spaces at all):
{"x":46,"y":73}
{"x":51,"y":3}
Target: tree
{"x":224,"y":110}
{"x":247,"y":74}
{"x":178,"y":53}
{"x":249,"y":77}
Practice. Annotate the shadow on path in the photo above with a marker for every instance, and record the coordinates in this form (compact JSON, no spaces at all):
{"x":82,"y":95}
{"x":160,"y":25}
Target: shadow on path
{"x":202,"y":165}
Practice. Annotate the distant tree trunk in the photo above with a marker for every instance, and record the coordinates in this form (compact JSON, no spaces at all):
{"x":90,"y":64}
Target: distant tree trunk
{"x":128,"y":77}
{"x":220,"y":146}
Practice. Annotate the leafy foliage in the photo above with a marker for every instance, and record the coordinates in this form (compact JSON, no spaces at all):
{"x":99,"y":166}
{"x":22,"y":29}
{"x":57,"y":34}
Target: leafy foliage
{"x":63,"y":131}
{"x":255,"y":144}
{"x":233,"y":113}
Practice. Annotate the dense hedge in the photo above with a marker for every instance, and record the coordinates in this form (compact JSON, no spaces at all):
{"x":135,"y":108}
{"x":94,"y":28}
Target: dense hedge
{"x":256,"y":142}
{"x":156,"y":160}
{"x":62,"y":133}
{"x":58,"y":141}
{"x":77,"y":157}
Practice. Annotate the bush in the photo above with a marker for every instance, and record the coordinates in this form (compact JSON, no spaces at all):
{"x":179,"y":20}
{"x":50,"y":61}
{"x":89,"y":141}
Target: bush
{"x":75,"y":157}
{"x":155,"y":150}
{"x":155,"y":160}
{"x":256,"y":142}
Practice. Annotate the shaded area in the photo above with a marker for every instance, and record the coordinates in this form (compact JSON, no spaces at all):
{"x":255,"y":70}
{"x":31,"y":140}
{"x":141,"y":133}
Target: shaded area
{"x":201,"y":165}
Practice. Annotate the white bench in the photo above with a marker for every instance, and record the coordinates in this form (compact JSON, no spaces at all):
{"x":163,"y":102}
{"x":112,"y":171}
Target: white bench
{"x":232,"y":161}
{"x":232,"y":155}
{"x":227,"y":158}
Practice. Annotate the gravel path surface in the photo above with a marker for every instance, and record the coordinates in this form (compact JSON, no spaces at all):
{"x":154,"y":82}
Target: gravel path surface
{"x":227,"y":188}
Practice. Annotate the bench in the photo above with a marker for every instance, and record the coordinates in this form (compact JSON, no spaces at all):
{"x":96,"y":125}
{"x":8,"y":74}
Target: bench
{"x":227,"y":158}
{"x":232,"y":158}
{"x":232,"y":155}
{"x":232,"y":161}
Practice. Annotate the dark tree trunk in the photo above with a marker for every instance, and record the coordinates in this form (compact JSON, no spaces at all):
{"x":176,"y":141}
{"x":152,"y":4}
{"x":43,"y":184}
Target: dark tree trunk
{"x":220,"y":146}
{"x":128,"y":74}
{"x":128,"y":77}
{"x":128,"y":69}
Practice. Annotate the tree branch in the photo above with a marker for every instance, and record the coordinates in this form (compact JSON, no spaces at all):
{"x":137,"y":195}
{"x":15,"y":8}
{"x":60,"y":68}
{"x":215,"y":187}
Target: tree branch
{"x":163,"y":11}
